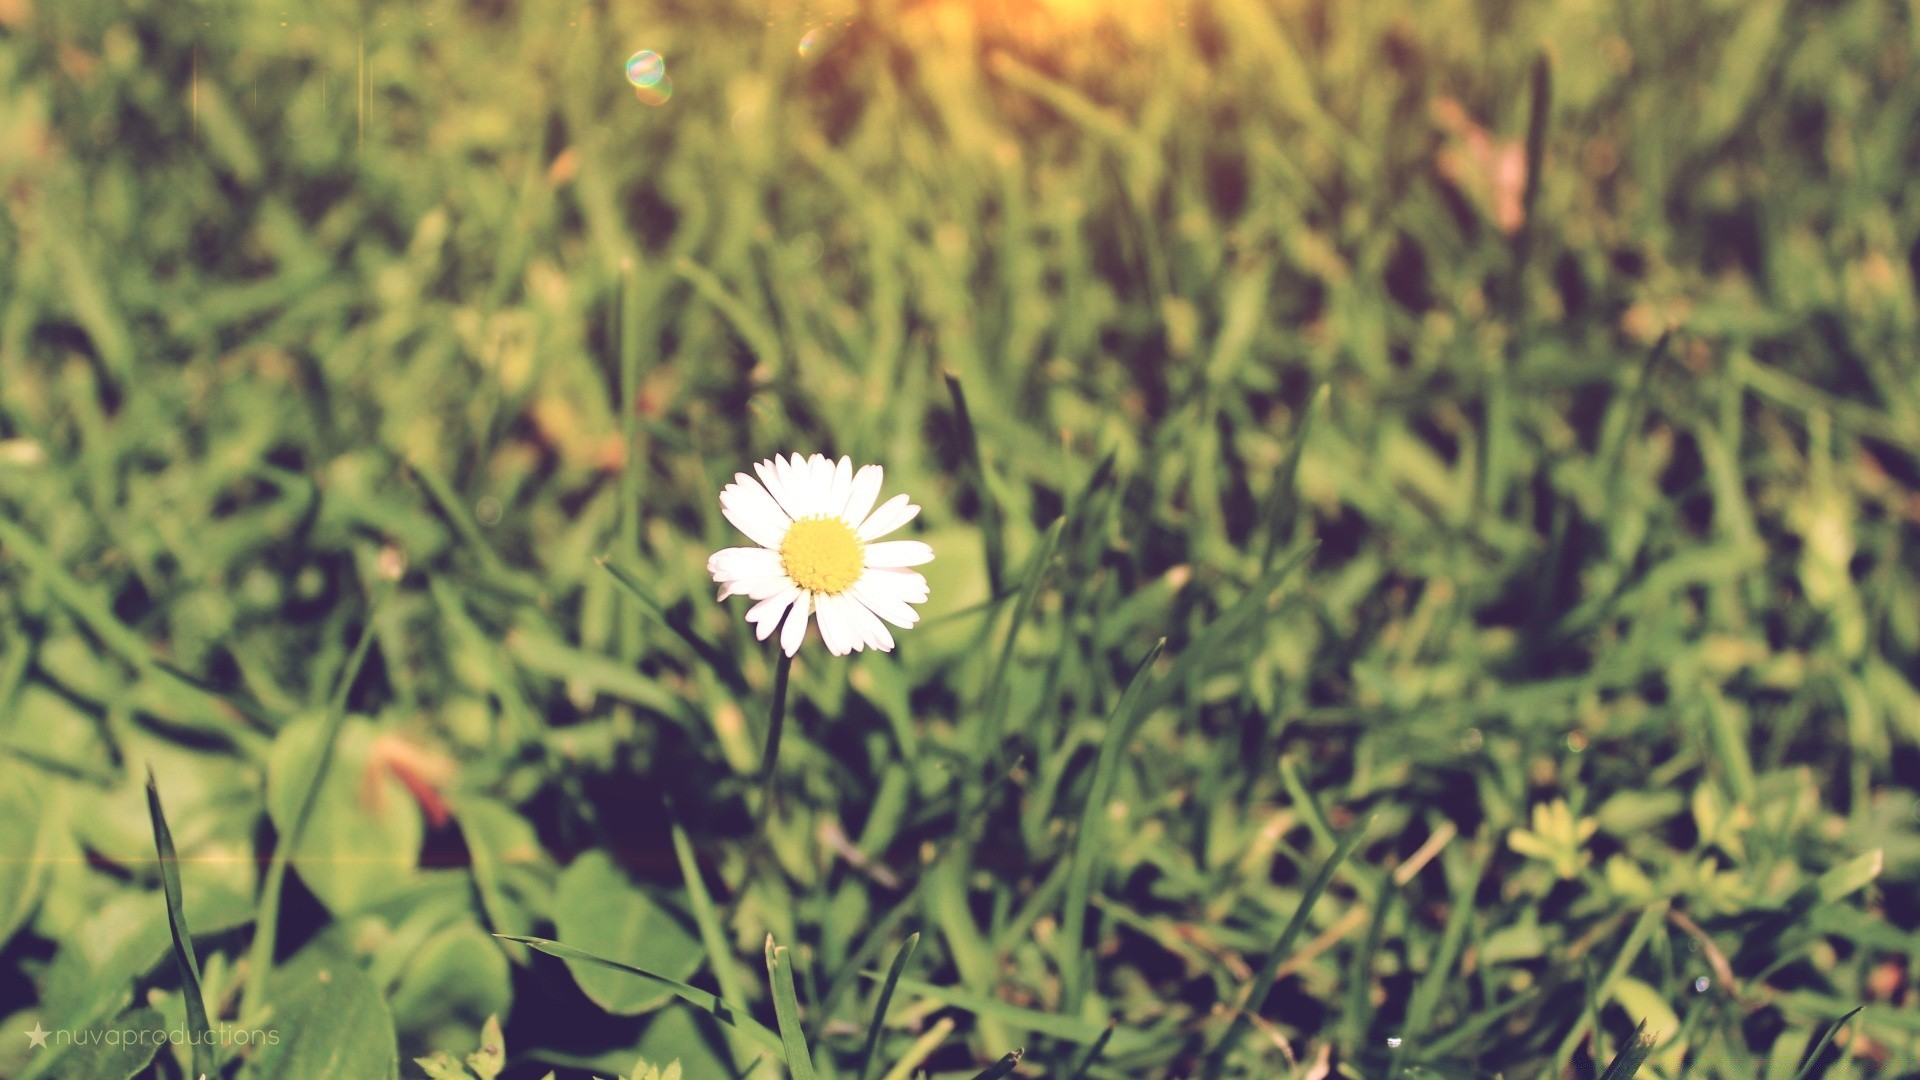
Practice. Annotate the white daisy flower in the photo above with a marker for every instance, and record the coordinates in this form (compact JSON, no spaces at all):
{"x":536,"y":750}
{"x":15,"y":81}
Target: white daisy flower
{"x":820,"y":554}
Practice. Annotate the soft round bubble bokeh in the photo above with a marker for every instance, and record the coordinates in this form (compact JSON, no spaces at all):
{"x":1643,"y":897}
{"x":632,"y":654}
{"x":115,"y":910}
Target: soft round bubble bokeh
{"x":646,"y":68}
{"x":812,"y":42}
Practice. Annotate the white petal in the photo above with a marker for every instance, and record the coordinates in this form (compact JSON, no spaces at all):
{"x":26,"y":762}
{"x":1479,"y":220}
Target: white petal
{"x":872,"y":630}
{"x":821,"y":479}
{"x":734,"y":563}
{"x":838,"y":625}
{"x":892,"y":514}
{"x":907,"y":585}
{"x":866,"y":488}
{"x":882,"y":594}
{"x":756,"y":588}
{"x":775,"y":475}
{"x":765,"y":615}
{"x":842,"y":486}
{"x":753,"y":511}
{"x":795,"y":630}
{"x":891,"y":554}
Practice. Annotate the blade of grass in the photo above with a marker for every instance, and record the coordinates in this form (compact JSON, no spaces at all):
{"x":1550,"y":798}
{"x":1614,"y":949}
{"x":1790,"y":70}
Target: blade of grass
{"x":1807,"y":1070}
{"x":991,"y":533}
{"x":205,"y":1064}
{"x":692,"y":995}
{"x":266,"y":925}
{"x":1359,"y":1011}
{"x":786,"y":1009}
{"x":881,"y":1003}
{"x":1283,"y":502}
{"x":1074,"y":964}
{"x":1092,"y":1056}
{"x":1262,"y":981}
{"x":721,"y":663}
{"x":1003,"y":1067}
{"x":990,"y":702}
{"x":960,"y":839}
{"x":1065,"y":1028}
{"x":706,"y":917}
{"x":922,"y":1049}
{"x":1630,"y":951}
{"x":1433,"y":983}
{"x":1631,"y":1056}
{"x":1212,"y":641}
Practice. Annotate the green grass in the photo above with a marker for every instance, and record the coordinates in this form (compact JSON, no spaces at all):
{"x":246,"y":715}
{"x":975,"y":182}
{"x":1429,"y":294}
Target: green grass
{"x":1534,"y":555}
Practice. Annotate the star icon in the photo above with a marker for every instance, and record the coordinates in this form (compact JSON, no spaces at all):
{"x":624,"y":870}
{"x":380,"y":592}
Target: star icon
{"x":37,"y":1037}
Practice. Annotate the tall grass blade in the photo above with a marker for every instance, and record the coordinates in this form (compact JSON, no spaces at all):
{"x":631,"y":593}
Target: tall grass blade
{"x":266,"y":925}
{"x":786,"y":1009}
{"x":1092,"y":1054}
{"x":1003,"y":1067}
{"x":1810,"y":1068}
{"x":880,"y":1005}
{"x":1087,"y":844}
{"x":1283,"y":502}
{"x":990,"y":720}
{"x":692,"y":995}
{"x":991,"y":531}
{"x":1631,"y":1056}
{"x":1262,"y":981}
{"x":205,"y":1063}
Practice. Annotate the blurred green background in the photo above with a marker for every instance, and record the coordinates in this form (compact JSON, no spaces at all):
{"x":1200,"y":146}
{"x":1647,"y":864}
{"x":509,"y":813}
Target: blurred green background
{"x":1548,"y":533}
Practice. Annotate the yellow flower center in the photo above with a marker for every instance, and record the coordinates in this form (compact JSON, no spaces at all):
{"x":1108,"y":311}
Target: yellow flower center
{"x":821,"y":554}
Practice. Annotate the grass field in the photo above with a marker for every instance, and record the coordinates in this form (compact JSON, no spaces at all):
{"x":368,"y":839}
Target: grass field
{"x":1425,"y":500}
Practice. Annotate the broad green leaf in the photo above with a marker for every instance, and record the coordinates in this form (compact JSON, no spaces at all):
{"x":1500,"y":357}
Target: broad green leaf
{"x":684,"y":1039}
{"x":115,"y":1050}
{"x":598,"y":909}
{"x":329,"y":1022}
{"x":455,"y":981}
{"x":362,"y":842}
{"x":1851,"y":876}
{"x":24,"y":845}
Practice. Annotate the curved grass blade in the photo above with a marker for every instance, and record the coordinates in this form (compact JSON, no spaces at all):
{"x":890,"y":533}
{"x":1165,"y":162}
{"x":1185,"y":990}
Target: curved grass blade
{"x":1262,"y":980}
{"x":1088,"y":1059}
{"x":266,"y":925}
{"x":880,"y":1005}
{"x":922,"y":1049}
{"x":1283,"y":502}
{"x":706,"y":916}
{"x":1086,"y":846}
{"x":692,"y":995}
{"x":990,"y":530}
{"x":990,"y":702}
{"x":1634,"y":1054}
{"x":1813,"y":1060}
{"x":786,"y":1009}
{"x":1053,"y":1025}
{"x":910,"y":901}
{"x":722,"y":664}
{"x":1217,"y":638}
{"x":205,"y":1064}
{"x":1003,"y":1067}
{"x":1636,"y":940}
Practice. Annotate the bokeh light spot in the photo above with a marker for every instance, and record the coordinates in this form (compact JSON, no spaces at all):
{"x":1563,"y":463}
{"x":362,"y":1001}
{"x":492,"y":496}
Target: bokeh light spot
{"x":646,"y":68}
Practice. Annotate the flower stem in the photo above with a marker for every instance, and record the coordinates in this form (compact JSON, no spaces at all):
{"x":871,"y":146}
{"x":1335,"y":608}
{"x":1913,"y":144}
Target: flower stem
{"x":778,"y":719}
